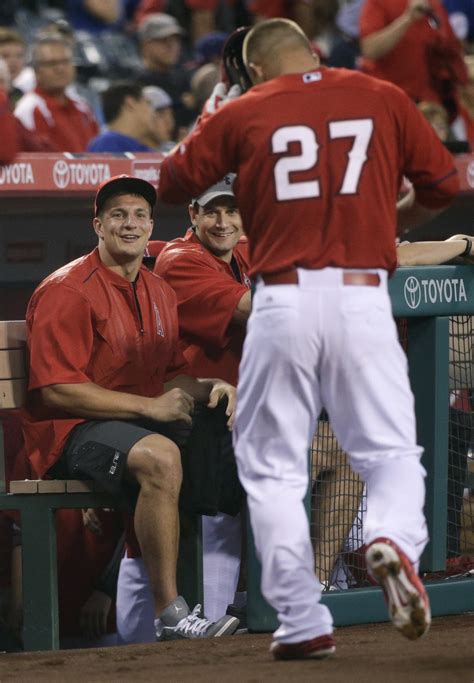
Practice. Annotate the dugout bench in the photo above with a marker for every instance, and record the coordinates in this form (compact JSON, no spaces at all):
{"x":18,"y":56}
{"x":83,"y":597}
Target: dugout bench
{"x":37,"y":502}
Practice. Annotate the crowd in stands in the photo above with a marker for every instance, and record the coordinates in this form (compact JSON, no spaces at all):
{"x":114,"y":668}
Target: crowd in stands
{"x":61,"y":59}
{"x":133,"y":76}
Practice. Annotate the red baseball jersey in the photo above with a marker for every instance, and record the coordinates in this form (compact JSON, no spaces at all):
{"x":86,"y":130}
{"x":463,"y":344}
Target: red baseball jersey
{"x":319,"y":157}
{"x":208,"y":293}
{"x":88,"y":324}
{"x":418,"y":46}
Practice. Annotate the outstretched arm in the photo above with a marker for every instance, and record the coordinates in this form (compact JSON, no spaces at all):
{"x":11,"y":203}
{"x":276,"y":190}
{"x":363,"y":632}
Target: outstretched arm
{"x":378,"y":44}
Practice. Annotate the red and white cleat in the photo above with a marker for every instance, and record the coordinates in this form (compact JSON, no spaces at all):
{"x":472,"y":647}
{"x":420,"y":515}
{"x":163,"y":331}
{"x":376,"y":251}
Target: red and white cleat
{"x":406,"y":597}
{"x":317,"y":648}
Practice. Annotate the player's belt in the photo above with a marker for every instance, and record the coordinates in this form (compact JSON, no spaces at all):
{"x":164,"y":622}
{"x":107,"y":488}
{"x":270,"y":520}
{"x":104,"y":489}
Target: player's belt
{"x":290,"y":277}
{"x":364,"y":279}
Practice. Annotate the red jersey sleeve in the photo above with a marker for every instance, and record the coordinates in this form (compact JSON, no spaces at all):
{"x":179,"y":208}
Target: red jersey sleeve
{"x":373,"y":17}
{"x":426,"y":162}
{"x":58,"y":354}
{"x":207,"y":298}
{"x":214,"y":143}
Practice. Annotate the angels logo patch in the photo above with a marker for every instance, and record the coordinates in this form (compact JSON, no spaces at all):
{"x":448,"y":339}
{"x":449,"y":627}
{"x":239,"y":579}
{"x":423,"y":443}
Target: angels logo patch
{"x":159,"y":325}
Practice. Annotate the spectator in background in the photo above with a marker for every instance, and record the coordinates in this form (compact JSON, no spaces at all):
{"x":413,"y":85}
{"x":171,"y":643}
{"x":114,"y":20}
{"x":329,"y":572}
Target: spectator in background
{"x":9,"y":136}
{"x":203,"y":82}
{"x":129,"y":118}
{"x":208,"y":48}
{"x":160,"y":43}
{"x":304,"y":12}
{"x":67,"y":123}
{"x":5,"y":80}
{"x":345,"y":51}
{"x":461,"y":18}
{"x":96,"y":16}
{"x":161,"y":137}
{"x":398,"y":34}
{"x":13,"y":51}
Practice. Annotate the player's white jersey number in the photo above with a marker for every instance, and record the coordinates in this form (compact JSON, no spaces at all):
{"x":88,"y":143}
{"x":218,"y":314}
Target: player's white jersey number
{"x":359,"y":129}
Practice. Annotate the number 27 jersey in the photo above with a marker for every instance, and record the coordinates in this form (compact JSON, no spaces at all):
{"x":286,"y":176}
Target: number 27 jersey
{"x":319,"y":157}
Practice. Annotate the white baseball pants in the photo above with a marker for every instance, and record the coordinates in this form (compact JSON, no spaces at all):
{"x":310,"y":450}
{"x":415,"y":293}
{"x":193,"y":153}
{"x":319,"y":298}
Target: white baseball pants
{"x":323,"y":343}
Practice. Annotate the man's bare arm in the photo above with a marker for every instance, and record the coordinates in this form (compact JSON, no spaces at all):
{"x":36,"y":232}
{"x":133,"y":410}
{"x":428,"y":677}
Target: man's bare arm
{"x":90,"y":401}
{"x":243,"y":308}
{"x":430,"y":253}
{"x":378,"y":44}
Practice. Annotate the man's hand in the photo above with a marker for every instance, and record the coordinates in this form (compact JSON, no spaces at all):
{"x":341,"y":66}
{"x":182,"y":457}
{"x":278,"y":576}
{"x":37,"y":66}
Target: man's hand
{"x":417,"y":9}
{"x":220,"y":390}
{"x":175,"y":404}
{"x":466,"y":239}
{"x":93,"y":618}
{"x":219,"y":97}
{"x":91,"y":521}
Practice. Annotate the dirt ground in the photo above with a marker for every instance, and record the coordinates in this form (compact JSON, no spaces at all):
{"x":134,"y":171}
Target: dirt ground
{"x":364,"y":654}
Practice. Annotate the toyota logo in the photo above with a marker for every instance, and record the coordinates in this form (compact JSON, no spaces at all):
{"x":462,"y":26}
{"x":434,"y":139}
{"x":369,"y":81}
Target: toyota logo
{"x":412,"y":292}
{"x":61,"y":174}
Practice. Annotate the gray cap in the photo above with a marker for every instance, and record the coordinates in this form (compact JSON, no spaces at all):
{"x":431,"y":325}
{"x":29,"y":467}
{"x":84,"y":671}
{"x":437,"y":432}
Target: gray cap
{"x":221,"y":189}
{"x":157,"y":97}
{"x":157,"y":26}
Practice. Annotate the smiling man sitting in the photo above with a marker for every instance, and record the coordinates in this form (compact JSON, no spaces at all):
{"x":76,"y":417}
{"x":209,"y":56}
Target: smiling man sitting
{"x":106,"y":382}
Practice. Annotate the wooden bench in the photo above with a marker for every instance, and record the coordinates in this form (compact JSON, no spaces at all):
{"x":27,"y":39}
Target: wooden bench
{"x":38,"y":500}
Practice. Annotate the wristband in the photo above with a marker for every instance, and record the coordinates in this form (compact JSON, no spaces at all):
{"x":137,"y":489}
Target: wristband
{"x":467,"y":250}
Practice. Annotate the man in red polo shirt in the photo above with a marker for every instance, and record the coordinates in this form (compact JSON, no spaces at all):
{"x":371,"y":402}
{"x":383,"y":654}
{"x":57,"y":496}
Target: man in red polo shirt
{"x":67,"y":123}
{"x":208,"y":270}
{"x":106,"y":382}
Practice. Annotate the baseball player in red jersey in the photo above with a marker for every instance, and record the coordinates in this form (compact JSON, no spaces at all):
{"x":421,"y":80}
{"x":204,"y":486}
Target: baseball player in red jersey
{"x":319,"y":155}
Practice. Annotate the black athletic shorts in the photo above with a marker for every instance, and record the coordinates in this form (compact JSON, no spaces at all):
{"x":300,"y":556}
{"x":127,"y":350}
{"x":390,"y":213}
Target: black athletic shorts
{"x":98,"y":450}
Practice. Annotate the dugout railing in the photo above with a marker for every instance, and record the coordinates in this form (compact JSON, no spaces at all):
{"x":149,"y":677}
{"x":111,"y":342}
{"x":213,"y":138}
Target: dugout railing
{"x":431,"y":299}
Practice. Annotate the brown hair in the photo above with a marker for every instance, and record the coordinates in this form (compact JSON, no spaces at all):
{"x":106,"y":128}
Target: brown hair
{"x":9,"y":35}
{"x":268,"y":39}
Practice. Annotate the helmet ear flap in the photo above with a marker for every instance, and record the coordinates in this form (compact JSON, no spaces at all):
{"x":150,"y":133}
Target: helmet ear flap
{"x":233,"y":70}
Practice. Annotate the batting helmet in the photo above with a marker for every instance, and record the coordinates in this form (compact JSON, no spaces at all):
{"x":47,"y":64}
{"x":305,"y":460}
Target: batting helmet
{"x":234,"y":71}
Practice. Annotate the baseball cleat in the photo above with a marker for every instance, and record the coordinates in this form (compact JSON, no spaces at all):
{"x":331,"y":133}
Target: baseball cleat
{"x":406,"y":597}
{"x":317,"y":648}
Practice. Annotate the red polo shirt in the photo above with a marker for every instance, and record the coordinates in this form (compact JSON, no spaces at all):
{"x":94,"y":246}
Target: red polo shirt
{"x":208,"y":293}
{"x":88,"y":324}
